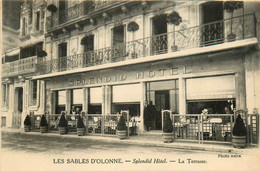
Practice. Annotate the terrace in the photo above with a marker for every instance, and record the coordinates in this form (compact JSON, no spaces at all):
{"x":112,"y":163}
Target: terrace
{"x":201,"y":39}
{"x":22,"y":66}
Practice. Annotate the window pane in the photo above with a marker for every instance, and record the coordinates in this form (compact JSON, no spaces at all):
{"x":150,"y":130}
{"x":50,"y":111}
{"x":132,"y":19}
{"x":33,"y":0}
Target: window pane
{"x":127,"y":93}
{"x":77,"y":96}
{"x":62,"y":97}
{"x":95,"y":95}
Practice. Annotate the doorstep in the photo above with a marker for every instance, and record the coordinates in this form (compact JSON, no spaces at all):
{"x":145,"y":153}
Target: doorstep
{"x":146,"y":139}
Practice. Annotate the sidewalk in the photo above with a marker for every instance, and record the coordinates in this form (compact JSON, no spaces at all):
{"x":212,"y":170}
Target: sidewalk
{"x":145,"y":140}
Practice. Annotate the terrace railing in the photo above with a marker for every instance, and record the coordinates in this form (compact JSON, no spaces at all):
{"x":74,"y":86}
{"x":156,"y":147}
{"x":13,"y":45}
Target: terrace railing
{"x":96,"y":124}
{"x":22,"y":66}
{"x":199,"y":36}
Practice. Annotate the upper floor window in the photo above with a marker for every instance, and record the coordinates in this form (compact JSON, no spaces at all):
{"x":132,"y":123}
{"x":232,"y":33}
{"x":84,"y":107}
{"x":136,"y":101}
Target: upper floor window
{"x":37,"y":24}
{"x":24,"y":27}
{"x":88,"y":43}
{"x":5,"y":93}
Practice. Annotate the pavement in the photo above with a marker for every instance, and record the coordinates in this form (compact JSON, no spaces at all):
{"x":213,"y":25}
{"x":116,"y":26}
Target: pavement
{"x":147,"y":139}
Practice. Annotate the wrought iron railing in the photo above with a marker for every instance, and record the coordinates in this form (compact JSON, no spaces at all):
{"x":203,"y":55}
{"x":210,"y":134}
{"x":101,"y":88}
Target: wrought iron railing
{"x":68,"y":14}
{"x":76,"y":11}
{"x":198,"y":127}
{"x":23,"y":66}
{"x":96,"y":124}
{"x":198,"y":36}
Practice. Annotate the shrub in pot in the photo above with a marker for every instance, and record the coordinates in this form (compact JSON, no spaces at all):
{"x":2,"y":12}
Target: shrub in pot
{"x":167,"y":130}
{"x":43,"y":125}
{"x":230,"y":6}
{"x":175,"y":19}
{"x":121,"y":128}
{"x":63,"y":124}
{"x":80,"y":127}
{"x":239,"y":133}
{"x":27,"y":124}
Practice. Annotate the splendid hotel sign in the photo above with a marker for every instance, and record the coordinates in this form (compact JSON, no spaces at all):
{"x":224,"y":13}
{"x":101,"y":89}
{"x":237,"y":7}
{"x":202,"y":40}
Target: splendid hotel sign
{"x":138,"y":75}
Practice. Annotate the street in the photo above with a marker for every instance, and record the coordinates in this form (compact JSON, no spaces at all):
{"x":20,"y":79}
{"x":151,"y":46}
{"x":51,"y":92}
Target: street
{"x":59,"y":153}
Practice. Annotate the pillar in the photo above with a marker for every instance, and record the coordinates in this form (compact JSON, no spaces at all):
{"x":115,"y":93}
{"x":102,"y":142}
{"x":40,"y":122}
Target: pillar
{"x":142,"y":103}
{"x":85,"y":99}
{"x":182,"y":96}
{"x":68,"y":101}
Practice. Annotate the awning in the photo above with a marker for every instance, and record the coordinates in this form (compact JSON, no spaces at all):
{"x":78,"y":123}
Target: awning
{"x":217,"y":87}
{"x":13,"y":52}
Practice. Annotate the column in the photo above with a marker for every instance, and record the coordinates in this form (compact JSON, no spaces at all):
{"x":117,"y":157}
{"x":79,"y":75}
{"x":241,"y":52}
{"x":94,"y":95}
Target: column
{"x":68,"y":101}
{"x":240,"y":90}
{"x":85,"y":99}
{"x":42,"y":97}
{"x":142,"y":103}
{"x":103,"y":100}
{"x":108,"y":95}
{"x":182,"y":96}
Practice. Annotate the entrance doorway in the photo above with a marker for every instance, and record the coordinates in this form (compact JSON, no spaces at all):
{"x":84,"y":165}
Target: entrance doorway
{"x":159,"y":39}
{"x":162,"y":102}
{"x":212,"y":32}
{"x":18,"y":107}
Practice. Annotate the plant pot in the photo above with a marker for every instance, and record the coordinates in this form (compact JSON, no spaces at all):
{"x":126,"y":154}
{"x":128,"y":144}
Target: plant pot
{"x":44,"y":129}
{"x":167,"y":137}
{"x":27,"y":128}
{"x":174,"y":48}
{"x":134,"y":55}
{"x":239,"y":141}
{"x":81,"y":131}
{"x":121,"y":134}
{"x":231,"y":37}
{"x":62,"y":130}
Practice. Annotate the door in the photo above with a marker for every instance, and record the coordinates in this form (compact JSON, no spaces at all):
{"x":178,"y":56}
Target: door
{"x":159,"y":32}
{"x":118,"y":40}
{"x":62,"y":57}
{"x":162,"y":102}
{"x":18,"y":108}
{"x":63,"y":14}
{"x":212,"y":29}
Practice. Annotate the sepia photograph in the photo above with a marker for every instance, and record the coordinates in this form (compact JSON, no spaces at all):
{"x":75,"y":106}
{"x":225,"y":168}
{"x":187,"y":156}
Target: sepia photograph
{"x":130,"y":85}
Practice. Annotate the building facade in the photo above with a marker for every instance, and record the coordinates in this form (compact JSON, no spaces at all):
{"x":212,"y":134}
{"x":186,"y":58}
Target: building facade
{"x":107,"y":56}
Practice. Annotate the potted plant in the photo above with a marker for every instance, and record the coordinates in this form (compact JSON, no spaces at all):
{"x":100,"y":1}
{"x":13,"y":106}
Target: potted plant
{"x":43,"y":125}
{"x":121,"y":128}
{"x":167,"y":130}
{"x":80,"y":127}
{"x":133,"y":27}
{"x":63,"y":124}
{"x":230,"y":6}
{"x":239,"y":133}
{"x":175,"y":19}
{"x":27,"y":124}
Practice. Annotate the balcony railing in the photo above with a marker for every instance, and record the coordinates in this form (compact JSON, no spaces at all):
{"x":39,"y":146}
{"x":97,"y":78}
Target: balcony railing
{"x":76,"y":11}
{"x":199,"y":36}
{"x":23,"y":66}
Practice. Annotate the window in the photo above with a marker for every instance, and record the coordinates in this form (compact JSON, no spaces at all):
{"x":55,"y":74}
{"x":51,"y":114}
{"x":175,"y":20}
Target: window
{"x":37,"y":26}
{"x":164,"y":95}
{"x":77,"y":100}
{"x":60,"y":101}
{"x":24,"y":27}
{"x":5,"y":89}
{"x":34,"y":88}
{"x":95,"y":100}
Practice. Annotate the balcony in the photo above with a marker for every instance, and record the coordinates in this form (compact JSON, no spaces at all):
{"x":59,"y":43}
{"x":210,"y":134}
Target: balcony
{"x":76,"y":12}
{"x":23,"y":66}
{"x":202,"y":36}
